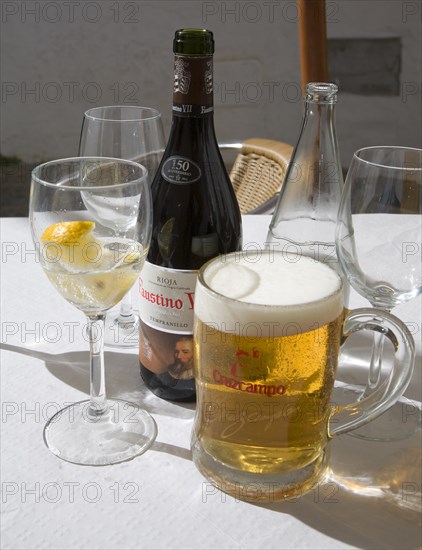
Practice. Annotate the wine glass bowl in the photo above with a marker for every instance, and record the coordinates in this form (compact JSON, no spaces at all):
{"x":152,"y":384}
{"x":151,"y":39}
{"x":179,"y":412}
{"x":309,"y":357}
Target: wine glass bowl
{"x":118,"y":211}
{"x":93,"y":265}
{"x":381,"y":204}
{"x":124,"y":131}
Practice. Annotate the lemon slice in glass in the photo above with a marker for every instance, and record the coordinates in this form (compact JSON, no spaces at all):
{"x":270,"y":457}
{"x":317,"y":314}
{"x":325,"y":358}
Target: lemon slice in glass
{"x":78,"y":247}
{"x":67,"y":233}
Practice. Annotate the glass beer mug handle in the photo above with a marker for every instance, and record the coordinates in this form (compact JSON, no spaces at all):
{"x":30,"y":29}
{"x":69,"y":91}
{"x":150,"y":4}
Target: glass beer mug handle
{"x":352,"y":416}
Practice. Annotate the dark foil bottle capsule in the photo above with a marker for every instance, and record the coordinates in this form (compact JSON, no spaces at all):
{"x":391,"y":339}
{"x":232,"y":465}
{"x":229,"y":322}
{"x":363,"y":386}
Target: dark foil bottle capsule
{"x":196,"y":217}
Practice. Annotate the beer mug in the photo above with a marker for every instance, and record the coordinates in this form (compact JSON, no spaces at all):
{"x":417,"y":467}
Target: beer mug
{"x":268,"y":329}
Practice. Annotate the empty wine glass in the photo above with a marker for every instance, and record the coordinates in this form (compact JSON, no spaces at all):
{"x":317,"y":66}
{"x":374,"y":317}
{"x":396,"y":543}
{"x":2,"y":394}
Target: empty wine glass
{"x":378,"y":238}
{"x":132,"y":133}
{"x":92,"y":265}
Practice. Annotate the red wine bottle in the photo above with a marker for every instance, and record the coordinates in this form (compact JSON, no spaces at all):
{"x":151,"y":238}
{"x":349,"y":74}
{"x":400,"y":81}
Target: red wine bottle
{"x":196,"y":217}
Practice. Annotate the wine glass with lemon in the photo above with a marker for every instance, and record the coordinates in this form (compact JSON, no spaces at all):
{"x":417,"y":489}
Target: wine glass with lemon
{"x":92,"y":266}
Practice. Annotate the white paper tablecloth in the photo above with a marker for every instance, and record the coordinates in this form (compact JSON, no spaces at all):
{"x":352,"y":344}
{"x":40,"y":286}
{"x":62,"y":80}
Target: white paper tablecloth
{"x":159,"y":500}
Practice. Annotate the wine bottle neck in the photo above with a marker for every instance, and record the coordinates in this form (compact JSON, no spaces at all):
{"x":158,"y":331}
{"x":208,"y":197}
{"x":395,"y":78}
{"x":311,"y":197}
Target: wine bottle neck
{"x":183,"y":128}
{"x":193,"y":86}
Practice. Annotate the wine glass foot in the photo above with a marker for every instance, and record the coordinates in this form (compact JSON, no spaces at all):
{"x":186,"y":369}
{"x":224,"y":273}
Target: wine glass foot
{"x":399,"y":422}
{"x":121,"y":334}
{"x":122,"y":432}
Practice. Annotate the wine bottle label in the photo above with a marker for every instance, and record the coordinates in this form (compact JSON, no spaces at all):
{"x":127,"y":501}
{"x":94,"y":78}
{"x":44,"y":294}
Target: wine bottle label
{"x":193,"y":86}
{"x":166,"y":312}
{"x":167,"y":298}
{"x":180,"y":170}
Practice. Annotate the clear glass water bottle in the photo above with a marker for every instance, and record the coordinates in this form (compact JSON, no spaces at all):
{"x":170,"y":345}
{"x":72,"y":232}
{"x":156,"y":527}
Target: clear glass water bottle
{"x":305,"y":216}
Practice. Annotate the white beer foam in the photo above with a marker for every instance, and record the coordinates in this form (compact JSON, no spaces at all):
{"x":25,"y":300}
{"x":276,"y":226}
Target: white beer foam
{"x":277,"y":294}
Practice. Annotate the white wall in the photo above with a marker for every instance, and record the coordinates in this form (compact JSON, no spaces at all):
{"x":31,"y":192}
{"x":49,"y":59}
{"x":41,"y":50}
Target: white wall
{"x":75,"y":55}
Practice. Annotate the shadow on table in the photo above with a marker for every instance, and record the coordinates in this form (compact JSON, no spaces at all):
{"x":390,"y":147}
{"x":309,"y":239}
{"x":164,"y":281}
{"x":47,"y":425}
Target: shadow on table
{"x":123,"y":381}
{"x":362,"y":522}
{"x":371,"y":499}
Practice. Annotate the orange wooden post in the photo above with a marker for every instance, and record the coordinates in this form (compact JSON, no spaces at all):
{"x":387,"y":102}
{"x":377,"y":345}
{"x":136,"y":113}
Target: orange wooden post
{"x":313,"y":41}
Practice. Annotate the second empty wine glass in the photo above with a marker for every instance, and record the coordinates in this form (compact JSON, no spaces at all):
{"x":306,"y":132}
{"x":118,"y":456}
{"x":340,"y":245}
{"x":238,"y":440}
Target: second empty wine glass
{"x":132,"y":133}
{"x":378,"y":242}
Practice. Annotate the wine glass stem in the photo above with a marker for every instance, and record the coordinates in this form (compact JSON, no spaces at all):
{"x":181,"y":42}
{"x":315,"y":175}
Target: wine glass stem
{"x":126,"y":312}
{"x":126,"y":315}
{"x":98,"y":402}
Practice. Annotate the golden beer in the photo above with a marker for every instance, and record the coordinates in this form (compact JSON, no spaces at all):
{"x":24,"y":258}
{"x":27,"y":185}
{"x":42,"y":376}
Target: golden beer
{"x":267,"y":338}
{"x":263,"y":402}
